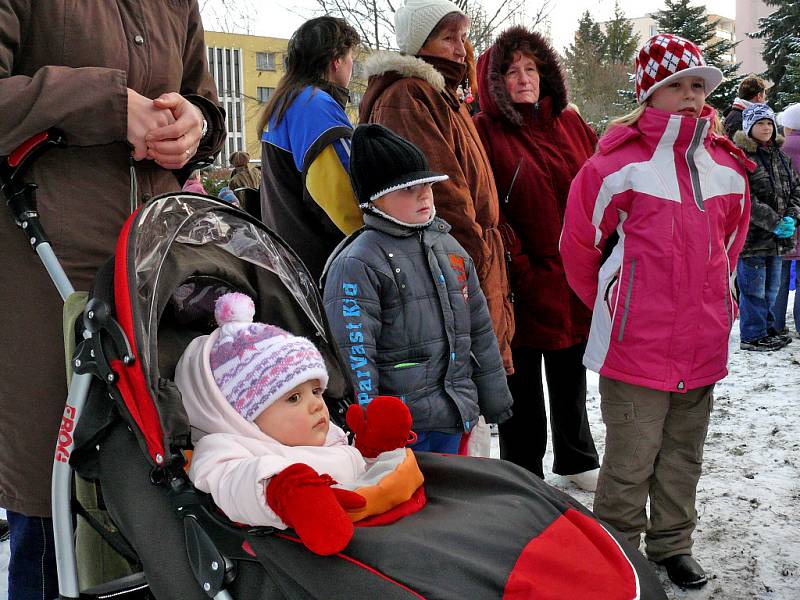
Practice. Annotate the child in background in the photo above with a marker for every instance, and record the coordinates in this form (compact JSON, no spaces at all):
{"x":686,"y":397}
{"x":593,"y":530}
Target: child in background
{"x":654,"y":222}
{"x":265,"y":448}
{"x":404,"y":302}
{"x":194,"y":184}
{"x":775,"y":208}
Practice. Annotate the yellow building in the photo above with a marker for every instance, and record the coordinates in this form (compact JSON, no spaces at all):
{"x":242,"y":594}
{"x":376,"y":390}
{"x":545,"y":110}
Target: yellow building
{"x":246,"y":69}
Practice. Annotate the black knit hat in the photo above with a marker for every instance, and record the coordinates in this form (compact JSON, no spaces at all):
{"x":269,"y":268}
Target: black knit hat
{"x":382,"y":162}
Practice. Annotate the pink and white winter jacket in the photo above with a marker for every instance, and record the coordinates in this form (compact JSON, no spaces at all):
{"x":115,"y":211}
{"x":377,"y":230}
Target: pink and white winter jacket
{"x":233,"y":459}
{"x":662,"y":302}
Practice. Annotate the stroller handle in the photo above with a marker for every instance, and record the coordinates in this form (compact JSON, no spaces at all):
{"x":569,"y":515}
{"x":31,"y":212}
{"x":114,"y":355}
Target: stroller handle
{"x":21,"y":196}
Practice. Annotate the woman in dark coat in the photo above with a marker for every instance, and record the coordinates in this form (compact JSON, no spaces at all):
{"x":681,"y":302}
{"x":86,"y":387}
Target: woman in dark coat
{"x":142,"y":88}
{"x":536,"y":144}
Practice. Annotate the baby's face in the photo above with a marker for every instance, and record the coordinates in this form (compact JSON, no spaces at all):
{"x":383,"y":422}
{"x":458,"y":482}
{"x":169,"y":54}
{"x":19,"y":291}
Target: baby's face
{"x":299,"y":418}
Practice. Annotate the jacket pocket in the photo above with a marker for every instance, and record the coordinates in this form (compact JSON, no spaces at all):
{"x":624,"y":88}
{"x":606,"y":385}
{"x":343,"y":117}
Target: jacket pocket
{"x":627,"y":307}
{"x":609,"y":295}
{"x":403,"y":378}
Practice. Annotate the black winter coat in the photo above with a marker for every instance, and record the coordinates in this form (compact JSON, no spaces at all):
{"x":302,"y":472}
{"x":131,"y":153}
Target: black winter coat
{"x":774,"y":194}
{"x":410,"y":319}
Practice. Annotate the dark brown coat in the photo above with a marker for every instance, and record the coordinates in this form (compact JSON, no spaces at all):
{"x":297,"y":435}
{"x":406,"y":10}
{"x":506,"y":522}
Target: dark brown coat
{"x":67,"y":65}
{"x":418,"y":101}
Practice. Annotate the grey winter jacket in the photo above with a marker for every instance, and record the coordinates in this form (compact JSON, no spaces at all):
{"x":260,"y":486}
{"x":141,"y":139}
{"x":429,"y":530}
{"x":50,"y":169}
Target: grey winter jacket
{"x":774,"y":194}
{"x":410,"y":320}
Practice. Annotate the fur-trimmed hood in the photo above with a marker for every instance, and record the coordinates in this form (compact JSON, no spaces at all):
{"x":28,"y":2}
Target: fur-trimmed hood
{"x":749,"y":145}
{"x":384,"y":68}
{"x":492,"y":93}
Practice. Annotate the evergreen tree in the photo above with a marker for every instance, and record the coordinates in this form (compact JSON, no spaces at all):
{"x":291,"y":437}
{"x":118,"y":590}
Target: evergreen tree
{"x":621,"y":42}
{"x":781,"y":34}
{"x":690,"y":22}
{"x":789,"y":92}
{"x":599,"y":84}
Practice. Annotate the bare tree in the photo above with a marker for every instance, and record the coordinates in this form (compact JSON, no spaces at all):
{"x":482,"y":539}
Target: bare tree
{"x":229,"y":16}
{"x":485,"y":26}
{"x":374,"y":19}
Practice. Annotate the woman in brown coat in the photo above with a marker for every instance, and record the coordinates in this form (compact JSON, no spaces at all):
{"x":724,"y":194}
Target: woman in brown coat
{"x":415,"y":94}
{"x":140,"y":89}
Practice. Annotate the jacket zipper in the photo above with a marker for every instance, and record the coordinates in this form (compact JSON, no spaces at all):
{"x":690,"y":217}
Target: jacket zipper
{"x":627,"y":300}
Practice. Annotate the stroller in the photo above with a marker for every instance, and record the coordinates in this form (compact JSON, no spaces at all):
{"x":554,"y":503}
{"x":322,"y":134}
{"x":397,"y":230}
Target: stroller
{"x":489,"y":530}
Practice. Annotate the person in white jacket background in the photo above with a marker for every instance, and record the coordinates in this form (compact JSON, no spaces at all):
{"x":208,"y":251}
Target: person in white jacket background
{"x":264,"y":445}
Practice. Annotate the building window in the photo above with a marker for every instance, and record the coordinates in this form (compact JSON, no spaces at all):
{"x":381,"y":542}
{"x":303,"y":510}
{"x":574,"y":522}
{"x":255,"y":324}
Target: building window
{"x":265,"y":61}
{"x":265,"y":93}
{"x":653,"y":30}
{"x":225,"y":65}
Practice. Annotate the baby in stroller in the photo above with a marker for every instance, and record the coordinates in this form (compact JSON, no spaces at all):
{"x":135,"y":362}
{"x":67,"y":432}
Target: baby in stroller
{"x":264,"y":445}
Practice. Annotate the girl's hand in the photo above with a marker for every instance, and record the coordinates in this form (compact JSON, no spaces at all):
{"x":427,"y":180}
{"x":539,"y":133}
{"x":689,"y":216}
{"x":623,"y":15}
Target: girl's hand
{"x":144,"y":116}
{"x":172,"y":145}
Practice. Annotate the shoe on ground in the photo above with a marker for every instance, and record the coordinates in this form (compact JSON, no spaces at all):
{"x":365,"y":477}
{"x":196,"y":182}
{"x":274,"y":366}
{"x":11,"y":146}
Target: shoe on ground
{"x":684,"y":571}
{"x":767,"y":343}
{"x":587,"y":480}
{"x":782,"y":335}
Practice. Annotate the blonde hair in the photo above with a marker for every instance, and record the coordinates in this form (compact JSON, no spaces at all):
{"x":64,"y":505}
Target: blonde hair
{"x":629,"y":119}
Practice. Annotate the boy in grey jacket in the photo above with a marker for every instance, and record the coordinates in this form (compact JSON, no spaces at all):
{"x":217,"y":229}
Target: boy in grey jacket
{"x":404,"y":303}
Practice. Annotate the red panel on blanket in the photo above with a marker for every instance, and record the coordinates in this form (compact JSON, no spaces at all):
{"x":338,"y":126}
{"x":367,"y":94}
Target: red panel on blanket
{"x":575,"y":557}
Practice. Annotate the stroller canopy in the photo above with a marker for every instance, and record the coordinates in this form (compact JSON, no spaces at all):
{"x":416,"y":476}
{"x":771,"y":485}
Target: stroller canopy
{"x":173,"y":258}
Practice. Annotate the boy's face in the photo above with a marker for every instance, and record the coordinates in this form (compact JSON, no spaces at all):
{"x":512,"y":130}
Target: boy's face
{"x":762,"y":131}
{"x":298,"y":418}
{"x":412,"y":205}
{"x":683,"y":96}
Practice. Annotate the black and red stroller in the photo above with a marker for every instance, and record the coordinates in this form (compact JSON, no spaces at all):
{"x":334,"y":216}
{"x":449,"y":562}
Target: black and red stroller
{"x":489,"y":529}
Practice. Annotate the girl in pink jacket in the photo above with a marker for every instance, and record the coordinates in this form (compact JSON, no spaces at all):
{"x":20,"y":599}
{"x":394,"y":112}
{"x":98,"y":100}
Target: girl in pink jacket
{"x":264,"y":446}
{"x":654,"y":224}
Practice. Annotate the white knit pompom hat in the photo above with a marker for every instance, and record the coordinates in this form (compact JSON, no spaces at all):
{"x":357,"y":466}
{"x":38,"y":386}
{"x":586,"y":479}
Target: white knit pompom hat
{"x":254,"y":364}
{"x":414,"y":21}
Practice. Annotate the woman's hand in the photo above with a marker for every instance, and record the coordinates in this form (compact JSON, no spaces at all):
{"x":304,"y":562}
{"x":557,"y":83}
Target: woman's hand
{"x":172,"y":145}
{"x":143,"y":117}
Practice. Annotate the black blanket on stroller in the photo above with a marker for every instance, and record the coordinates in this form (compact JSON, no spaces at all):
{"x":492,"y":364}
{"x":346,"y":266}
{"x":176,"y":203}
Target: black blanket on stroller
{"x":490,"y":530}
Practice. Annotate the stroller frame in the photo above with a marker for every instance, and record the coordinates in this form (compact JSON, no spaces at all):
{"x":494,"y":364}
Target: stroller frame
{"x":88,"y":362}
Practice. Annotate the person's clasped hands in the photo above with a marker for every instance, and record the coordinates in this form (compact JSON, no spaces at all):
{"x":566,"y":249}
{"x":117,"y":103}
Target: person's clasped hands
{"x":166,"y":130}
{"x":785,"y":228}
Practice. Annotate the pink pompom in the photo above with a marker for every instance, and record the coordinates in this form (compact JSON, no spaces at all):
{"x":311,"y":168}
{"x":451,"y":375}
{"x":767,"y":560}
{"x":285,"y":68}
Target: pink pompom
{"x":234,"y":307}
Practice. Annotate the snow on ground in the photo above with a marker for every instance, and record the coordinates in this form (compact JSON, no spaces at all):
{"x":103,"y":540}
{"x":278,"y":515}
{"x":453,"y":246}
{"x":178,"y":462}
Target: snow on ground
{"x":748,"y":535}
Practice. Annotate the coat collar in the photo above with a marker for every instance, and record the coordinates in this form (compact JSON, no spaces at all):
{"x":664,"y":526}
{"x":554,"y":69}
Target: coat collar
{"x":372,"y":221}
{"x":749,"y":145}
{"x":382,"y":63}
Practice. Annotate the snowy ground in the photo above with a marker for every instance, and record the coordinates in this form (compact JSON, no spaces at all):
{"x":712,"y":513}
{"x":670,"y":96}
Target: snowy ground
{"x":748,"y":536}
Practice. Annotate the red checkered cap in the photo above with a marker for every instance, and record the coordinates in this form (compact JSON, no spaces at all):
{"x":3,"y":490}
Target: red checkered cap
{"x":665,"y":57}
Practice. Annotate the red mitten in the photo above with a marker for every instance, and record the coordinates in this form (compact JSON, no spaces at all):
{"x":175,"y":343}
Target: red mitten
{"x":384,"y":425}
{"x":306,"y":502}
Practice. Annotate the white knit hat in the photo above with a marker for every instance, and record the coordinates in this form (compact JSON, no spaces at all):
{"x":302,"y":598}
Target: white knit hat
{"x":790,"y":117}
{"x":414,"y":21}
{"x":254,"y":364}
